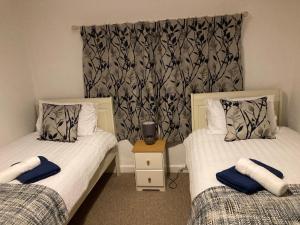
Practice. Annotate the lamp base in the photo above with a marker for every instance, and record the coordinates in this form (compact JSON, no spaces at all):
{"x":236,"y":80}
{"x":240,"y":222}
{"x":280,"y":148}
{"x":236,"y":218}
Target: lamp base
{"x":149,"y":140}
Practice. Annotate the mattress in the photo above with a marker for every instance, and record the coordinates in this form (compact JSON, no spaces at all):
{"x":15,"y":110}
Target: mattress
{"x":78,"y":161}
{"x":207,"y":154}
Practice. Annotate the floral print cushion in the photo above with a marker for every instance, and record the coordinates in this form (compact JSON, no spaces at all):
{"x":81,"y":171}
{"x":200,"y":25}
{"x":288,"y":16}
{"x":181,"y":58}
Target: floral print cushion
{"x":247,"y":119}
{"x":60,"y":122}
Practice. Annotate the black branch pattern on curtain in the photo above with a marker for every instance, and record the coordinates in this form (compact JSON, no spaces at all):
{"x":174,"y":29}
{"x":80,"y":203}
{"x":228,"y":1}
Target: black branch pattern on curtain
{"x":151,"y":68}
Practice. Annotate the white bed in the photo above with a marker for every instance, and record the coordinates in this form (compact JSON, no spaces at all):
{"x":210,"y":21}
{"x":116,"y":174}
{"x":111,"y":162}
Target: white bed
{"x":208,"y":153}
{"x":82,"y":163}
{"x":78,"y":161}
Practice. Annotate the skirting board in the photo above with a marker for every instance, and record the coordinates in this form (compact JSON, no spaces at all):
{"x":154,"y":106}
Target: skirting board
{"x":172,"y":168}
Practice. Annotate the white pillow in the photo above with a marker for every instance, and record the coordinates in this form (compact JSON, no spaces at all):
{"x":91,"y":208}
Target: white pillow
{"x":215,"y":116}
{"x":216,"y":121}
{"x":87,"y":121}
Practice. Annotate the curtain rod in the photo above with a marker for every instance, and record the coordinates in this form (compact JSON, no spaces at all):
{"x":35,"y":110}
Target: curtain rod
{"x":76,"y":27}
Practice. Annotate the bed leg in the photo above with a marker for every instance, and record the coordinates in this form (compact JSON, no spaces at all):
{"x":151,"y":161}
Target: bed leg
{"x":117,"y":162}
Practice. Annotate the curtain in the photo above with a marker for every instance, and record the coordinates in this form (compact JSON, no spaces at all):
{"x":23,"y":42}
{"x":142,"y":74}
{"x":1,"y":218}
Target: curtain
{"x":151,"y":68}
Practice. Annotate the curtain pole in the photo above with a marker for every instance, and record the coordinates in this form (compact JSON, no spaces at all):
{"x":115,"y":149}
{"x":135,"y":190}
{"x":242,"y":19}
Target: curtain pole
{"x":76,"y":27}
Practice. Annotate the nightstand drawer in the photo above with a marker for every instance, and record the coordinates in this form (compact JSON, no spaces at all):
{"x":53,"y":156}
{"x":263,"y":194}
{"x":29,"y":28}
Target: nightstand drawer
{"x":149,"y":178}
{"x":151,"y":161}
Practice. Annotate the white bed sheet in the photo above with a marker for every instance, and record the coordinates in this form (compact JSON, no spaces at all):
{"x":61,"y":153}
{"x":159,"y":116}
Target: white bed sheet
{"x":78,"y":161}
{"x":207,"y":154}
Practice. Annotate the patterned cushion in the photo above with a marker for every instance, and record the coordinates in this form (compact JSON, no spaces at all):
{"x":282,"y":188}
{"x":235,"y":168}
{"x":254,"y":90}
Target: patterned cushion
{"x":247,"y":119}
{"x":60,"y":122}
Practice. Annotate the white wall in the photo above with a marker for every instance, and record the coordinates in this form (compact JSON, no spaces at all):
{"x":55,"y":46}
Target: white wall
{"x":16,"y":87}
{"x":55,"y":50}
{"x":294,"y":103}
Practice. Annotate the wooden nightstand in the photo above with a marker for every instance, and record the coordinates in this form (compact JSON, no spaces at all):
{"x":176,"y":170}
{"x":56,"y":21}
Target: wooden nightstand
{"x":150,"y":165}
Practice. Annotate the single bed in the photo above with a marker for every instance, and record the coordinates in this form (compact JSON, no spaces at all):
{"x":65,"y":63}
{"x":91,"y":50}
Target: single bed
{"x":82,"y":163}
{"x":208,"y":154}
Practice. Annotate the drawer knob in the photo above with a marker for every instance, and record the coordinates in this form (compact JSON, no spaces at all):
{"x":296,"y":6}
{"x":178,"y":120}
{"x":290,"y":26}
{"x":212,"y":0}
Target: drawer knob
{"x":149,"y":180}
{"x":148,"y":162}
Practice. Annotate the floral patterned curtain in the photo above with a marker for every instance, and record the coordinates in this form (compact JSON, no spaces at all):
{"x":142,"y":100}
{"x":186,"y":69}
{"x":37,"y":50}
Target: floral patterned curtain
{"x":151,"y":68}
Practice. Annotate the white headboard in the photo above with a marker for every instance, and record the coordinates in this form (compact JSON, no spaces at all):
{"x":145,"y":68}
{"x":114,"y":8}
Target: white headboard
{"x":199,"y":104}
{"x":104,"y":109}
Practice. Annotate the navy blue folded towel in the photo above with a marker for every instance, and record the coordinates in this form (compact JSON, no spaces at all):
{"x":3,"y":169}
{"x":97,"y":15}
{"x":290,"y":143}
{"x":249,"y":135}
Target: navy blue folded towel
{"x":232,"y":178}
{"x":44,"y":170}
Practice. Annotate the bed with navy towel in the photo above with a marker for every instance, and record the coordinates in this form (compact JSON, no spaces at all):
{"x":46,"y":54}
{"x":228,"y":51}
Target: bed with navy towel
{"x":243,"y":167}
{"x":46,"y":175}
{"x":222,"y":195}
{"x":62,"y":166}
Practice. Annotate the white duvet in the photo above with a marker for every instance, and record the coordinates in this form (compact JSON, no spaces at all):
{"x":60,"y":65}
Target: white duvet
{"x":208,"y":154}
{"x":78,"y":161}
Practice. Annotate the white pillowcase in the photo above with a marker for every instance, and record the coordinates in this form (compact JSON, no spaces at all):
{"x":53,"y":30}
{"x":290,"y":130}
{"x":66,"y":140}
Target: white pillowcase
{"x":215,"y":115}
{"x":87,"y":121}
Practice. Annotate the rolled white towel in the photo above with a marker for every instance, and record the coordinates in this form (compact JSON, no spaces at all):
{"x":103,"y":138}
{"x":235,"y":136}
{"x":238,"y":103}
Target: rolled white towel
{"x":264,"y":177}
{"x":14,"y":171}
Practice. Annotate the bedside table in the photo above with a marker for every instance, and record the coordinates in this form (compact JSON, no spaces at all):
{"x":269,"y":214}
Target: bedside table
{"x":150,"y":165}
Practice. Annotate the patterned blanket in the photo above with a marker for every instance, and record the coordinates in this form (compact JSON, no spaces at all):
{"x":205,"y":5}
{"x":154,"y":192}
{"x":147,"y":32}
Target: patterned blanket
{"x":31,"y":204}
{"x":223,"y":206}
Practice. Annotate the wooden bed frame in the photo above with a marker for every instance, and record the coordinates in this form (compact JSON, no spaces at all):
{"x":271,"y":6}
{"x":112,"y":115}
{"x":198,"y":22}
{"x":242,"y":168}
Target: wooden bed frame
{"x":104,"y":109}
{"x":199,"y":104}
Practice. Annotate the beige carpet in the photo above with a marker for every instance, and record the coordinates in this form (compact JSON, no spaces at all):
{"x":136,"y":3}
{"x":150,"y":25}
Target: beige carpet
{"x":114,"y":201}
